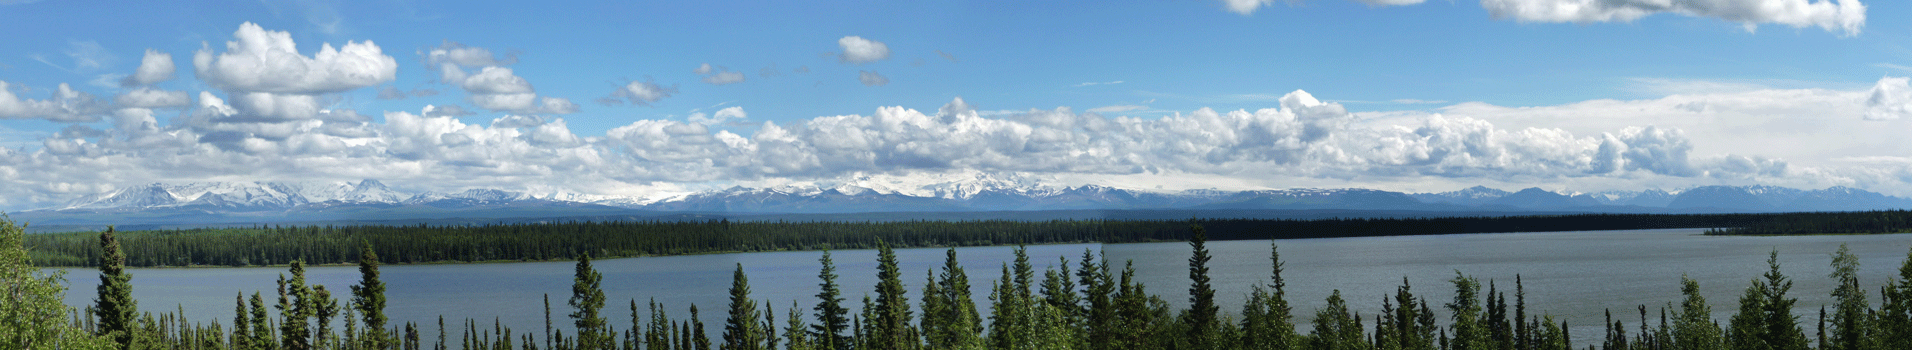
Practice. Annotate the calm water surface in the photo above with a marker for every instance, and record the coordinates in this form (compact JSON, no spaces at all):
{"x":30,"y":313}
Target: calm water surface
{"x":1574,"y":276}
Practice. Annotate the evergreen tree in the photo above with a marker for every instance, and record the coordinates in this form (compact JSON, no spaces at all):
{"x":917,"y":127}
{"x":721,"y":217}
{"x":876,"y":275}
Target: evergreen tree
{"x":1852,"y":318}
{"x":962,"y":326}
{"x":1403,"y":326}
{"x":769,"y":327}
{"x":892,"y":329}
{"x":832,"y":317}
{"x":1895,"y":312}
{"x":262,"y":333}
{"x":1059,"y":291}
{"x":32,"y":307}
{"x":1694,"y":328}
{"x":1200,"y":318}
{"x":796,"y":331}
{"x":1523,"y":335}
{"x":1469,"y":333}
{"x":1267,"y":320}
{"x":587,"y":298}
{"x":115,"y":306}
{"x":1765,"y":320}
{"x":241,"y":336}
{"x":741,"y":330}
{"x":324,"y":308}
{"x":368,"y":297}
{"x":296,"y":309}
{"x":1098,"y":308}
{"x":699,"y":339}
{"x":1335,"y":328}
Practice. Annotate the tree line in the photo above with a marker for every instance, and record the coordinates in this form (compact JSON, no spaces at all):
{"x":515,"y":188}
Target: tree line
{"x":1096,"y":305}
{"x":281,"y":245}
{"x":1858,"y":222}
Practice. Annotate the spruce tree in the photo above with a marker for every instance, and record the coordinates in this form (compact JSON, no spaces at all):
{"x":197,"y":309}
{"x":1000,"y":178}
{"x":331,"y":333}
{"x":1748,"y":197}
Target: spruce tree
{"x":587,"y":298}
{"x":769,"y":327}
{"x":1200,"y":318}
{"x":1851,"y":320}
{"x":1336,"y":328}
{"x":1765,"y":320}
{"x":832,"y":317}
{"x":368,"y":297}
{"x":1895,"y":312}
{"x":262,"y":333}
{"x":700,"y":340}
{"x":324,"y":308}
{"x":1098,"y":309}
{"x":241,"y":335}
{"x":1694,"y":328}
{"x":115,"y":306}
{"x":892,"y":323}
{"x":796,"y":333}
{"x":1469,"y":332}
{"x":1267,"y":319}
{"x":741,"y":330}
{"x":296,"y":309}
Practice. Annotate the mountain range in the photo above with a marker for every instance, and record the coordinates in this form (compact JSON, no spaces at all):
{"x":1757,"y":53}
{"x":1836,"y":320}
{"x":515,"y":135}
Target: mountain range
{"x":371,"y":199}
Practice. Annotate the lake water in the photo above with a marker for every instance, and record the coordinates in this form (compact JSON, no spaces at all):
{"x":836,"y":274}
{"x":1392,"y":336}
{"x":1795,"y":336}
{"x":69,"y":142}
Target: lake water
{"x":1574,"y":276}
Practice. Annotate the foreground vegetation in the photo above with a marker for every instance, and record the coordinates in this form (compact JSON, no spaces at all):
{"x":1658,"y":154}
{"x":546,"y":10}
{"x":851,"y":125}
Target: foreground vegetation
{"x":278,"y":246}
{"x":1094,"y":306}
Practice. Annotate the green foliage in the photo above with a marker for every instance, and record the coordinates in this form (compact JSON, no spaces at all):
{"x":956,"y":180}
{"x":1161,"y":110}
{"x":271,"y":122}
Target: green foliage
{"x":1895,"y":313}
{"x":32,"y":308}
{"x":587,"y":299}
{"x":1200,"y":318}
{"x":368,"y":298}
{"x":832,"y":317}
{"x":892,"y":330}
{"x":1337,"y":328}
{"x":1694,"y":328}
{"x":950,"y":320}
{"x":741,"y":327}
{"x":115,"y":306}
{"x":1765,"y":320}
{"x":1468,"y":330}
{"x":1851,"y":320}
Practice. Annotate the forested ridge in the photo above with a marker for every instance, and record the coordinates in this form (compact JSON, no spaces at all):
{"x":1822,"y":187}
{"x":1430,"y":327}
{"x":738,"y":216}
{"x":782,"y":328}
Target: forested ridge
{"x":280,"y":245}
{"x":1097,"y":305}
{"x":1858,"y":222}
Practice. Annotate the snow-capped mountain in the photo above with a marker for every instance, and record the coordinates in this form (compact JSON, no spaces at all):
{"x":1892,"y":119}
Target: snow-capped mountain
{"x":972,"y":192}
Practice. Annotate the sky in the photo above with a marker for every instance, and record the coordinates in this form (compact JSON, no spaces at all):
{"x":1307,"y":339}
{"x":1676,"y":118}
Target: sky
{"x":615,"y":99}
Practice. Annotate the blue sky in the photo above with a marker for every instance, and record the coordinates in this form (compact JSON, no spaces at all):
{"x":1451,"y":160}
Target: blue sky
{"x":1701,"y":92}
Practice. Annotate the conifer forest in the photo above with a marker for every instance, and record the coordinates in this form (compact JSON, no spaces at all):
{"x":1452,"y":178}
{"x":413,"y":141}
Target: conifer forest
{"x":1091,"y":303}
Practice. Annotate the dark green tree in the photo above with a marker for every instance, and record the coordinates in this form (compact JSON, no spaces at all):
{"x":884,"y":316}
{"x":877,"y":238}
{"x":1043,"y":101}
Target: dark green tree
{"x":115,"y":306}
{"x":892,"y":329}
{"x":1267,"y":319}
{"x":1468,"y":331}
{"x":241,"y":335}
{"x":741,"y":327}
{"x":368,"y":298}
{"x":1895,"y":313}
{"x":699,"y":339}
{"x":796,"y":332}
{"x":950,"y":320}
{"x":1765,"y":320}
{"x":1851,"y":320}
{"x":324,"y":309}
{"x":262,"y":333}
{"x":1694,"y":329}
{"x":832,"y":318}
{"x":1098,"y":307}
{"x":296,"y":309}
{"x":587,"y":299}
{"x":1202,"y":314}
{"x":1336,"y":328}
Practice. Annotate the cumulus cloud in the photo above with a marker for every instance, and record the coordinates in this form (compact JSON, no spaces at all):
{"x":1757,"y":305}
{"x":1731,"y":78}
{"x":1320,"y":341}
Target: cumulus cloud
{"x":869,"y":78}
{"x":639,"y":93}
{"x":720,"y":75}
{"x":493,"y":86}
{"x":66,"y":105}
{"x":722,"y":116}
{"x":1847,"y":17}
{"x":858,"y":50}
{"x":259,"y":60}
{"x":155,"y":67}
{"x":1890,"y":99}
{"x":152,"y":98}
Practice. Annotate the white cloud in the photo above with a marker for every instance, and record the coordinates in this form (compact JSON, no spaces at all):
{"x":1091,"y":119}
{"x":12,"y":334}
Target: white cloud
{"x":1847,"y":17}
{"x":155,"y":67}
{"x":724,"y":78}
{"x":1117,"y":109}
{"x":146,"y":97}
{"x":858,"y":50}
{"x":869,"y":78}
{"x":493,"y":87}
{"x":1096,"y":83}
{"x":268,"y":61}
{"x":66,"y":105}
{"x":722,"y":116}
{"x":460,"y":55}
{"x":1890,"y":99}
{"x":639,"y":93}
{"x":1245,"y":7}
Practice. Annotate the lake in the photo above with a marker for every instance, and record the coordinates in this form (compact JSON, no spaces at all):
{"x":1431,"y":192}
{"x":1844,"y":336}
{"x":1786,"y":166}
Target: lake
{"x":1574,"y":276}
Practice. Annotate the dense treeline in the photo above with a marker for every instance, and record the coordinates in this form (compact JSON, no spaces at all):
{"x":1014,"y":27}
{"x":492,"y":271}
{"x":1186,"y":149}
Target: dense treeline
{"x":1095,"y":306}
{"x":1860,"y":222}
{"x":276,"y":245}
